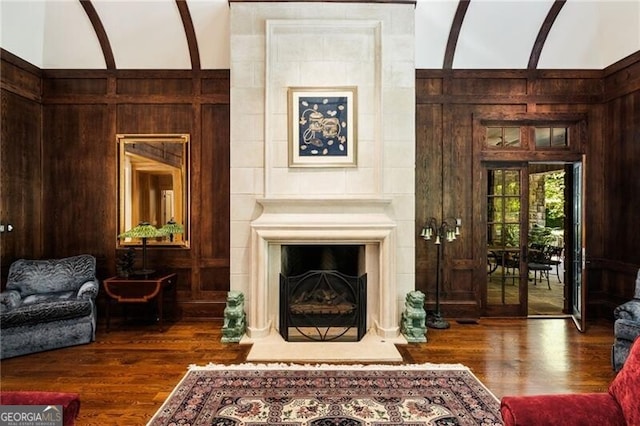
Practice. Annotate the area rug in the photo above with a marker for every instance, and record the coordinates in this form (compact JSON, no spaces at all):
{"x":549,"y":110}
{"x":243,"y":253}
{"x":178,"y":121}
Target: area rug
{"x":324,"y":395}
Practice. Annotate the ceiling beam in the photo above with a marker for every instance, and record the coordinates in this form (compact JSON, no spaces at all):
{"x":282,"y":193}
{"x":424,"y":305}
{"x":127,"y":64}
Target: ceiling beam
{"x":454,"y":33}
{"x":192,"y":41}
{"x":536,"y":51}
{"x":98,"y":28}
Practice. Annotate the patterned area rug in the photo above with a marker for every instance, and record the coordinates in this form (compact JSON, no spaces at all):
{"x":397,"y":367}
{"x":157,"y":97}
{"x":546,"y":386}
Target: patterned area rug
{"x":323,"y":395}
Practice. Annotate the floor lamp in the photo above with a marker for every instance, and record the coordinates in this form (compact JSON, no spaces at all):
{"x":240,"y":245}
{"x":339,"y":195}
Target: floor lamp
{"x":447,"y":231}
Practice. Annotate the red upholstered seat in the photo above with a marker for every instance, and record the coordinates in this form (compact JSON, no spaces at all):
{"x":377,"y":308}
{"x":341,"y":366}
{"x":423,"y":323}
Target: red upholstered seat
{"x":70,"y":402}
{"x":618,"y":406}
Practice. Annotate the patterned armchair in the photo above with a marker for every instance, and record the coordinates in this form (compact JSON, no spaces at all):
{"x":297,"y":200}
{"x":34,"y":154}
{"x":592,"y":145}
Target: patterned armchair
{"x":48,"y":304}
{"x":626,"y":327}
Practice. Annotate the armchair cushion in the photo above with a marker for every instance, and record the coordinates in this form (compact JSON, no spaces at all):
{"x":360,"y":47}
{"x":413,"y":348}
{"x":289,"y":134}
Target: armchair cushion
{"x":39,"y":313}
{"x":618,"y":406}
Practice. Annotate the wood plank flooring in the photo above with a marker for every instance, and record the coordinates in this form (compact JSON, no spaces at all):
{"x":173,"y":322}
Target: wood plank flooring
{"x":125,"y":375}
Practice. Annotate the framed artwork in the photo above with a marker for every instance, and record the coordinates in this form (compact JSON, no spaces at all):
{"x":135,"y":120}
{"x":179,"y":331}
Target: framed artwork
{"x":322,"y":127}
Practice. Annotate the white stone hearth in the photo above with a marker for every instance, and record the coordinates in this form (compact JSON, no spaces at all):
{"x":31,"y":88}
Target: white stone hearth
{"x":371,"y":348}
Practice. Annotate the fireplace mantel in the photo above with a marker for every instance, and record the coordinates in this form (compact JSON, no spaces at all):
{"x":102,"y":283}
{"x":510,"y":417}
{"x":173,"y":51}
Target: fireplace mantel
{"x":322,"y":205}
{"x":323,"y":221}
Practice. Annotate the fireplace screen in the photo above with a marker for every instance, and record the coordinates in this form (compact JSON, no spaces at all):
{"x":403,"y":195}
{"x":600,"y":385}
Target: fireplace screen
{"x":322,"y":305}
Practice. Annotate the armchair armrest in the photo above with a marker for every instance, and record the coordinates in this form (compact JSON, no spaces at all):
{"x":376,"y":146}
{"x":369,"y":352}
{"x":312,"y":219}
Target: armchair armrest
{"x":565,"y":409}
{"x":9,"y":299}
{"x":88,"y":290}
{"x":629,"y":310}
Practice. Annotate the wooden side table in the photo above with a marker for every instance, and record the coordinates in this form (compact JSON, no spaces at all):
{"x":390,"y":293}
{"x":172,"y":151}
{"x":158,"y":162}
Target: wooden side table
{"x":141,"y":290}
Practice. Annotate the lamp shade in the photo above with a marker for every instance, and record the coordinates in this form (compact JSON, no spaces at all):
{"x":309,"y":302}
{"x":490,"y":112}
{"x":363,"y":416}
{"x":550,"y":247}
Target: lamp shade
{"x":143,"y":230}
{"x":172,"y":227}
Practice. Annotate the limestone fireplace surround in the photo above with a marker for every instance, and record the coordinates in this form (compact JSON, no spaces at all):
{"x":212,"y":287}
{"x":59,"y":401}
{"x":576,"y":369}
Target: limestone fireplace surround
{"x":323,"y":222}
{"x":276,"y":46}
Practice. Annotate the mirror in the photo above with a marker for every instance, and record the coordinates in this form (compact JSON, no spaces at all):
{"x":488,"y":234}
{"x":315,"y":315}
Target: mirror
{"x":153,"y":185}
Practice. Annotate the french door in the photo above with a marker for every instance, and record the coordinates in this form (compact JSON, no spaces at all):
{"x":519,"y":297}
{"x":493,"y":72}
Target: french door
{"x":578,"y":276}
{"x":507,"y":209}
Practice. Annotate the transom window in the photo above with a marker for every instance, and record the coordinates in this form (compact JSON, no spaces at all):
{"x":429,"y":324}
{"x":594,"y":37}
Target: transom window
{"x":506,"y":137}
{"x":503,"y":137}
{"x":551,"y":137}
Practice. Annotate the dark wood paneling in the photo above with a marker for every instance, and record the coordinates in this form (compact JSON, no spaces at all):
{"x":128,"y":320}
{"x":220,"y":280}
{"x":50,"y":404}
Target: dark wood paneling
{"x":156,"y":118}
{"x":154,"y":86}
{"x":74,"y":86}
{"x":215,"y":280}
{"x":20,"y":160}
{"x":214,"y":218}
{"x":83,"y":111}
{"x":486,"y":86}
{"x":79,"y":181}
{"x":622,"y":176}
{"x":448,"y":168}
{"x":20,"y":78}
{"x":20,"y":178}
{"x":217,"y":82}
{"x":82,"y":115}
{"x":567,"y":86}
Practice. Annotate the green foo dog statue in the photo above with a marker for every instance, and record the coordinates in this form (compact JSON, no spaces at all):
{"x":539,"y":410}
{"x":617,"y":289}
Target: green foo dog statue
{"x":413,"y":318}
{"x":235,"y":321}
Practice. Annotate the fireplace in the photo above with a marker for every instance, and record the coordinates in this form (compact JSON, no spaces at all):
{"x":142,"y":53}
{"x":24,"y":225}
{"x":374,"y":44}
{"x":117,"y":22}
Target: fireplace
{"x":274,"y":203}
{"x":322,"y":295}
{"x":362,"y":240}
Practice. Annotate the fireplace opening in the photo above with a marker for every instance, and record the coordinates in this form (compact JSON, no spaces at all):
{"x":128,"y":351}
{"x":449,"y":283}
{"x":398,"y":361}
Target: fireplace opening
{"x":322,"y":293}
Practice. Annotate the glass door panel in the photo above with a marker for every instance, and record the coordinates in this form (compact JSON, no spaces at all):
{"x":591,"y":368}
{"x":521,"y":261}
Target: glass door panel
{"x":506,"y":199}
{"x":578,"y":258}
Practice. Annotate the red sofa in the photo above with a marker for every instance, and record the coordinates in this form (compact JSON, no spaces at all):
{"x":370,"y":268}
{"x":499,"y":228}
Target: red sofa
{"x":70,"y":402}
{"x":619,"y":406}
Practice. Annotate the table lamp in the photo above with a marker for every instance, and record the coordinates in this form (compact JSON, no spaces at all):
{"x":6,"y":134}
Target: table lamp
{"x":171,"y":228}
{"x":144,"y":230}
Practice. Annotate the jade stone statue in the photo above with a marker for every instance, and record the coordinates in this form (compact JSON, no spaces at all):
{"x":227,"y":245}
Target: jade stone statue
{"x":235,"y":321}
{"x":413,"y":318}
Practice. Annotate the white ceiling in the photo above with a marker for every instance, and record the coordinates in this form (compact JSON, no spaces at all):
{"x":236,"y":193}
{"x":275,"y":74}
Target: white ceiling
{"x":148,"y":34}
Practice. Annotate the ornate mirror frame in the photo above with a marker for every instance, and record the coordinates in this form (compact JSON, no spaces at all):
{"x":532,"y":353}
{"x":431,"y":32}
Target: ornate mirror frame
{"x":153,"y":186}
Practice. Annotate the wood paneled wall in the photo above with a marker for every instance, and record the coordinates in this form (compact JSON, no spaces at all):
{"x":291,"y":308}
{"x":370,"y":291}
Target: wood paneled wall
{"x":80,"y":113}
{"x":58,"y":136}
{"x":618,"y":204}
{"x":448,"y":166}
{"x":20,"y":161}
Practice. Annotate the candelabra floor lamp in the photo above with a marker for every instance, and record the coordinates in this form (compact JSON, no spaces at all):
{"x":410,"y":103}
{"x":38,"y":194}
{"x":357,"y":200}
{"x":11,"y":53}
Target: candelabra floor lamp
{"x":446,"y":231}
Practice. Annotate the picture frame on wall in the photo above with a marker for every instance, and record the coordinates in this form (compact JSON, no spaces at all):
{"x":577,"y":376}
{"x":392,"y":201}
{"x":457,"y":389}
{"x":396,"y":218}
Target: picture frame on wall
{"x":322,"y":126}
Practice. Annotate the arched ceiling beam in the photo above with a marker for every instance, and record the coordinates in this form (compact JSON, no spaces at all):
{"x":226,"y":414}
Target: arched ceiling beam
{"x":190,"y":32}
{"x":450,"y":51}
{"x":103,"y":39}
{"x":544,"y":32}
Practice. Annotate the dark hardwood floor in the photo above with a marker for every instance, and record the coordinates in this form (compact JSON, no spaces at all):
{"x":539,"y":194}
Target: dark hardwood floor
{"x":125,"y":375}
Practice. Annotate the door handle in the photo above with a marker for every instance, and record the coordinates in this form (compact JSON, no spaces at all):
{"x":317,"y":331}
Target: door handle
{"x":6,"y":228}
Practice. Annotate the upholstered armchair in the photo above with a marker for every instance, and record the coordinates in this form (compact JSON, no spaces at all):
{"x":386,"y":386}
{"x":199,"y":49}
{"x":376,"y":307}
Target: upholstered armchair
{"x":48,"y":304}
{"x":618,"y":406}
{"x":626,"y":327}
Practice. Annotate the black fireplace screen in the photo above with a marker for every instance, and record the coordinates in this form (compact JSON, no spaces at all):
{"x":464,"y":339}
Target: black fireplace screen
{"x":323,"y":305}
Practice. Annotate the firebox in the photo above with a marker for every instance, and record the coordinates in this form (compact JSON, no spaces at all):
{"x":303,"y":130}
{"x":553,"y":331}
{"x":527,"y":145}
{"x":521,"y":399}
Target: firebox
{"x":322,"y":296}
